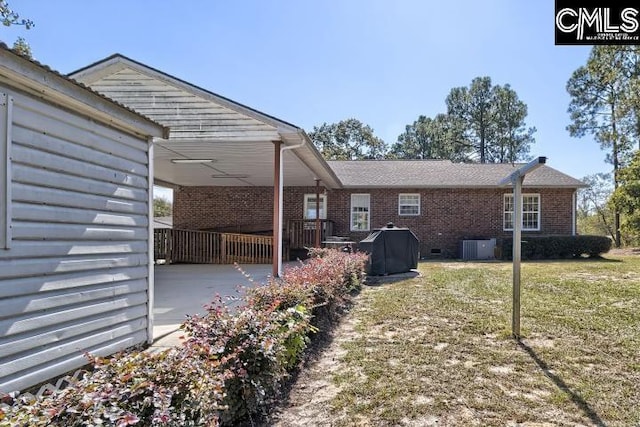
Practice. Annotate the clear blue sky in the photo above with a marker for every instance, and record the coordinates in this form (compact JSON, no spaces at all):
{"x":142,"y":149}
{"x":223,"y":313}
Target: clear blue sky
{"x":309,"y":62}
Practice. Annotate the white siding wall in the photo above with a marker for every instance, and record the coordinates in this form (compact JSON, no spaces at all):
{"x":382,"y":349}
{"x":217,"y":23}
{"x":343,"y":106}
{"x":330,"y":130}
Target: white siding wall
{"x":75,"y":278}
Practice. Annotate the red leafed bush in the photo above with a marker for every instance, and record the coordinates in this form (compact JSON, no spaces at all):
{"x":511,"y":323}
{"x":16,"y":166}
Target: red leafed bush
{"x":264,"y":339}
{"x":328,"y":277}
{"x":180,"y":386}
{"x":256,"y":346}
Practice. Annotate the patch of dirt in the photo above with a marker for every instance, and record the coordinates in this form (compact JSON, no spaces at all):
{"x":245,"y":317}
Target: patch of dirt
{"x":602,"y":277}
{"x":624,"y":251}
{"x":425,"y":421}
{"x":308,"y":401}
{"x":501,"y":370}
{"x":539,"y":342}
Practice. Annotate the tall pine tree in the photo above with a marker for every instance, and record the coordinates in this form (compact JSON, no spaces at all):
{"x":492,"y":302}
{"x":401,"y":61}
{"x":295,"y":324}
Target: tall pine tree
{"x":493,"y":118}
{"x":605,"y":105}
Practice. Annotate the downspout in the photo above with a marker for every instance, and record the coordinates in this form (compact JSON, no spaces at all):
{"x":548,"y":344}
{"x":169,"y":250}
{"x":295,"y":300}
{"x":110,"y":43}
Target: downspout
{"x":573,"y":212}
{"x":280,"y":192}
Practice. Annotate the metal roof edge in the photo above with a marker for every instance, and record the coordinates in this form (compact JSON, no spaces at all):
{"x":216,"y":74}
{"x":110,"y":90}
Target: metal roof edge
{"x":453,"y":187}
{"x":24,"y":73}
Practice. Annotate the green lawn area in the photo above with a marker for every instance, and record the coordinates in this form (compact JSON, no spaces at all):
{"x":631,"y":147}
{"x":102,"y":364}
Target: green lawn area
{"x":437,"y":350}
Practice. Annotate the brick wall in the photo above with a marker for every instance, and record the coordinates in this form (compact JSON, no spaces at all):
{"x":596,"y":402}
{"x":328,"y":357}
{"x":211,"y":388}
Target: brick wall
{"x":213,"y":208}
{"x":447,"y":216}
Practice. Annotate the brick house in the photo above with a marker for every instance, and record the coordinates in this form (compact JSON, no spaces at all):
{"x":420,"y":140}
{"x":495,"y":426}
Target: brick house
{"x":228,"y":162}
{"x":442,"y":202}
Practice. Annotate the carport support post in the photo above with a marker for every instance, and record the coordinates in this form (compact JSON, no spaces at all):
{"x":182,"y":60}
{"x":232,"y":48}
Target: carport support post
{"x":317,"y":245}
{"x":277,"y":227}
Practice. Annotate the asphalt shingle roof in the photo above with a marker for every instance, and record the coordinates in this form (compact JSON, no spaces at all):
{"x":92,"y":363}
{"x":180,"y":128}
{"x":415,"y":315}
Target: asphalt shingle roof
{"x":441,"y":174}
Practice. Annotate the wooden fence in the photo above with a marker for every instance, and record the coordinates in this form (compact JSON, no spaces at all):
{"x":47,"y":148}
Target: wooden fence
{"x":204,"y":247}
{"x":302,"y":232}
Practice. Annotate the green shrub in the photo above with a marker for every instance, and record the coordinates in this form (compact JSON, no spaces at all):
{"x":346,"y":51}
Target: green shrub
{"x":557,"y":247}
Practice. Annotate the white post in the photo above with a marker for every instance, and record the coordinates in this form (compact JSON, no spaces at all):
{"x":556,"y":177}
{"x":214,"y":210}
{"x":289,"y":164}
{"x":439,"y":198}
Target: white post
{"x":276,"y":262}
{"x":278,"y":269}
{"x":150,"y":247}
{"x":280,"y":210}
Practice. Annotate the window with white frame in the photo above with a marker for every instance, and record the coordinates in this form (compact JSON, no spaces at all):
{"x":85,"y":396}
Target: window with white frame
{"x":530,"y":212}
{"x":409,"y":204}
{"x":310,"y":206}
{"x":360,"y":205}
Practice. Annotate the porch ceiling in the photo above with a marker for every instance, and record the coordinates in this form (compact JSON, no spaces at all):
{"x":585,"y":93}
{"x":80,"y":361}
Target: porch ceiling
{"x":236,"y":163}
{"x":204,"y":125}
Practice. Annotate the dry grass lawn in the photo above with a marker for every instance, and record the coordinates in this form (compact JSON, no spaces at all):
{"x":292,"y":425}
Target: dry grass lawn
{"x":437,"y":350}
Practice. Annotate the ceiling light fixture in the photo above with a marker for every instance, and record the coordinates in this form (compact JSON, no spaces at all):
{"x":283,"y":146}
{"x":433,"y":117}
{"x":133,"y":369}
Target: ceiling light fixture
{"x":188,"y":161}
{"x":230,"y":175}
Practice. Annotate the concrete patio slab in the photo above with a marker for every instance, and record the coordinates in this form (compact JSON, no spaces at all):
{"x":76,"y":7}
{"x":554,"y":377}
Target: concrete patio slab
{"x":182,"y":289}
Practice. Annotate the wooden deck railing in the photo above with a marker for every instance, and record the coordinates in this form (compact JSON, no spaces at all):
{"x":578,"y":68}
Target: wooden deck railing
{"x":195,"y":247}
{"x":204,"y":247}
{"x":161,"y":241}
{"x":246,"y":248}
{"x":302,"y":232}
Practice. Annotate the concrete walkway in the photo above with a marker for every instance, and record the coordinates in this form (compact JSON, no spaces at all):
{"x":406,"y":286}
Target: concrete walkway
{"x":182,"y":289}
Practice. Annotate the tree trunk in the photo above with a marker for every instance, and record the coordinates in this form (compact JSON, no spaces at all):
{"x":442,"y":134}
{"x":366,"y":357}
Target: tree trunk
{"x":483,"y":158}
{"x":638,"y":127}
{"x":616,"y":166}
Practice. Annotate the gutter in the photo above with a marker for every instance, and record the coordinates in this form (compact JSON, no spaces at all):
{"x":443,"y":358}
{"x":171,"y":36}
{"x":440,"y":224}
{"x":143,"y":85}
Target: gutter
{"x":574,"y":208}
{"x":325,"y":173}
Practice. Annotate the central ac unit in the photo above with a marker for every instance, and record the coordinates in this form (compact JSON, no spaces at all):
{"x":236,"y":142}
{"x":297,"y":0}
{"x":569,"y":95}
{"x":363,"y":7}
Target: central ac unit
{"x":478,"y":249}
